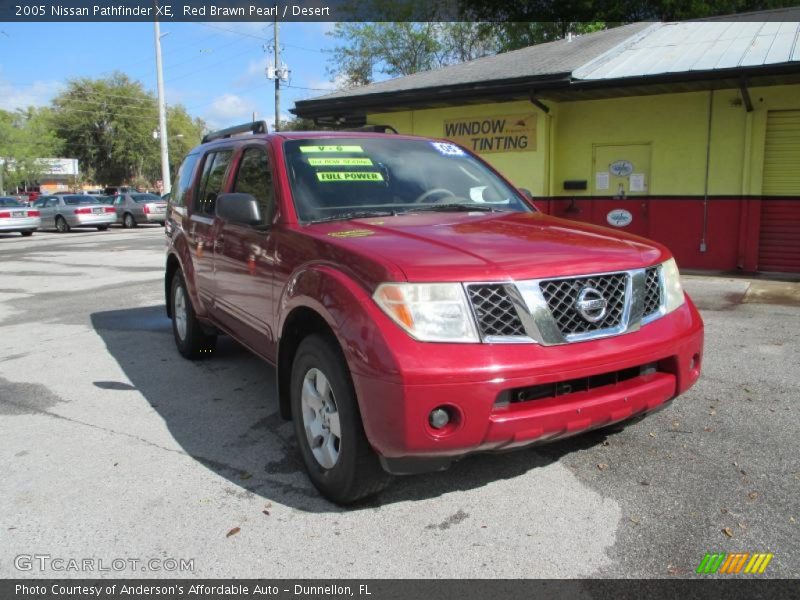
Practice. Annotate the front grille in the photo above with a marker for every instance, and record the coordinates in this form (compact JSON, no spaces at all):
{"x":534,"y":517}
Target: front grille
{"x":653,"y":294}
{"x":561,"y":296}
{"x":494,"y":310}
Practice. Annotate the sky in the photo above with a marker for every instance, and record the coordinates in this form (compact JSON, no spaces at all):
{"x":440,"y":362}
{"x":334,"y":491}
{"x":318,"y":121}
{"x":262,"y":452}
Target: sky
{"x":215,"y":70}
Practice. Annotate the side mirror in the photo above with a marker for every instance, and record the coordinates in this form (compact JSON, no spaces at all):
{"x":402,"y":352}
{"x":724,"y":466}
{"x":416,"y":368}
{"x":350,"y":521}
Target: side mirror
{"x":526,"y":192}
{"x":241,"y":209}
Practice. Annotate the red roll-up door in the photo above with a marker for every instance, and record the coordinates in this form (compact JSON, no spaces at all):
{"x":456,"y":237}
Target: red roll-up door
{"x":779,"y":242}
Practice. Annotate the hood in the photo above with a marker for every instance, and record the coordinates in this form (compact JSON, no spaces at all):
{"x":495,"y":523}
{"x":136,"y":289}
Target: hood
{"x":490,"y":247}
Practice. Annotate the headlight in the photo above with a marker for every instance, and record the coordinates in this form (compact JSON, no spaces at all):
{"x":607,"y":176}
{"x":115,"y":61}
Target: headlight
{"x":429,"y":312}
{"x":673,"y":291}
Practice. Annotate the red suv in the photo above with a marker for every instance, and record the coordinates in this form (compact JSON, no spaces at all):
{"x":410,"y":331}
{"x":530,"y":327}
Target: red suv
{"x":416,"y":305}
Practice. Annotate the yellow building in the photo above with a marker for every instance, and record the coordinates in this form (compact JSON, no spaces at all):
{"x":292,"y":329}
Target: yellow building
{"x":687,"y":133}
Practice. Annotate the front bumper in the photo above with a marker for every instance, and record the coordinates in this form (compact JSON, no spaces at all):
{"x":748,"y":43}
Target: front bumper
{"x":20,"y":224}
{"x":395,"y":415}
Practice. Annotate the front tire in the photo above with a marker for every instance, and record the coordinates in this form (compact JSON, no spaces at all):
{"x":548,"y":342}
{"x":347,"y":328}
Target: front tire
{"x":26,"y":233}
{"x":339,"y":460}
{"x":192,"y":342}
{"x":102,"y":228}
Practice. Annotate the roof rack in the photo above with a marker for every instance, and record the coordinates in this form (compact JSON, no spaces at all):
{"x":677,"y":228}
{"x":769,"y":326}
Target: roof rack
{"x":375,"y":129}
{"x":252,"y":127}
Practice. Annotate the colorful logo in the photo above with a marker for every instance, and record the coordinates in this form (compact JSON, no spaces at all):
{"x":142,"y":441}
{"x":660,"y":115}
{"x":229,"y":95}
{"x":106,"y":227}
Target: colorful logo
{"x":735,"y":564}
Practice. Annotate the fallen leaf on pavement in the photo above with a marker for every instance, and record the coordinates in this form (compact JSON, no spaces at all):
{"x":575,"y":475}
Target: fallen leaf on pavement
{"x":266,"y":512}
{"x":602,"y":466}
{"x":752,"y":495}
{"x":724,"y":511}
{"x":727,"y":531}
{"x":635,"y":520}
{"x":233,"y":531}
{"x":707,"y":429}
{"x":246,"y":475}
{"x":652,"y":434}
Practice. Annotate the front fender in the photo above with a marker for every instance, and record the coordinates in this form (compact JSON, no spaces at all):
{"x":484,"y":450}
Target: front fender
{"x":350,"y":313}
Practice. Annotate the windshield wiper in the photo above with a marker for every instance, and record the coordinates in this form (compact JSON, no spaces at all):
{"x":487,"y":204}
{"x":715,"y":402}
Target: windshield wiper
{"x":359,"y":214}
{"x":454,"y":207}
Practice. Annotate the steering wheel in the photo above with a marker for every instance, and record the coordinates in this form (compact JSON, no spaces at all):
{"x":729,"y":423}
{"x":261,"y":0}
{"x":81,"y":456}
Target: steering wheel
{"x":425,"y":195}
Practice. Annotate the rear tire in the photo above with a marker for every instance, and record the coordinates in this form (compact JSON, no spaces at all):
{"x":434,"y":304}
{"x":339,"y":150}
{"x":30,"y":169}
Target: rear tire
{"x":102,"y":228}
{"x":61,"y":225}
{"x":128,"y":222}
{"x":26,"y":233}
{"x":343,"y":467}
{"x":190,"y":338}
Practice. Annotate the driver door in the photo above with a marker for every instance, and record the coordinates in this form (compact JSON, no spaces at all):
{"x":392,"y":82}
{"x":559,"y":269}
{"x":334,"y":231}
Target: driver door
{"x":244,"y":258}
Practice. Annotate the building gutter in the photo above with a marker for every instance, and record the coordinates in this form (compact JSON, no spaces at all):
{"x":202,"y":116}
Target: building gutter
{"x":562,"y":85}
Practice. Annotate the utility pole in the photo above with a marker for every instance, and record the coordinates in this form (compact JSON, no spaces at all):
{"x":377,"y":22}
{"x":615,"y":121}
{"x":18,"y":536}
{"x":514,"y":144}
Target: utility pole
{"x":277,"y":80}
{"x":162,"y":115}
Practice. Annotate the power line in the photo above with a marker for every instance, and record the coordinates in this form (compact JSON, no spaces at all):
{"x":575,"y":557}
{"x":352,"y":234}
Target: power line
{"x":299,"y":87}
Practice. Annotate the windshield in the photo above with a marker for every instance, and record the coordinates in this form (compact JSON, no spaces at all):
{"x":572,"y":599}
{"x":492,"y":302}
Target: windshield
{"x":346,"y":177}
{"x":79,"y":199}
{"x":11,"y":202}
{"x":145,"y":198}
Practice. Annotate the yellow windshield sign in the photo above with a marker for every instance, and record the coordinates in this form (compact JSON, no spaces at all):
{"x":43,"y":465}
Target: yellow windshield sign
{"x":353,"y":176}
{"x":307,"y":149}
{"x":340,"y":162}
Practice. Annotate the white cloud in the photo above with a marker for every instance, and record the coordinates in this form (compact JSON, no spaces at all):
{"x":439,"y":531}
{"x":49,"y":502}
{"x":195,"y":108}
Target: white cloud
{"x":229,"y":109}
{"x":38,"y":93}
{"x":254,"y":73}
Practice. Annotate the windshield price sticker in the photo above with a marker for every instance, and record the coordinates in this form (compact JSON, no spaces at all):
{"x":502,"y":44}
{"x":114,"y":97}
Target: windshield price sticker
{"x":352,"y":176}
{"x":351,"y":233}
{"x":307,"y":149}
{"x":447,"y":149}
{"x":340,"y":162}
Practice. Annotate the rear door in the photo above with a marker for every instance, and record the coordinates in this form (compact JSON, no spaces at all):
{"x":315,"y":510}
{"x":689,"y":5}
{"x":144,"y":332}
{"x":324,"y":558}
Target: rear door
{"x":201,"y":233}
{"x":41,"y":205}
{"x":244,"y":258}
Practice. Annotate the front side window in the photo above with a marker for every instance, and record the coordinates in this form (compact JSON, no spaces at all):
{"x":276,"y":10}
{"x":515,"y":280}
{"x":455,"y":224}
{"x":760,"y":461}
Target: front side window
{"x":214,"y":170}
{"x":183,"y":180}
{"x":336,"y":177}
{"x":255,"y":178}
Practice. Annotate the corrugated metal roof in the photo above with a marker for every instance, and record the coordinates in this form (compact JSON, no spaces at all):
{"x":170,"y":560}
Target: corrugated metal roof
{"x":552,"y":58}
{"x":697,"y":46}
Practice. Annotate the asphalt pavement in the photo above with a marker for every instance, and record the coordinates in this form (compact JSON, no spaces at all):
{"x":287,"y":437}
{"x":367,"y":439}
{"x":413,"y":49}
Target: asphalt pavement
{"x":115,"y":447}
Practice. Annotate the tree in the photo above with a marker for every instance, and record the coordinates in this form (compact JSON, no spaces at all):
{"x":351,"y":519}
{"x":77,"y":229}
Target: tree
{"x":401,"y":48}
{"x":184,"y":134}
{"x":109,"y":125}
{"x":25,"y":137}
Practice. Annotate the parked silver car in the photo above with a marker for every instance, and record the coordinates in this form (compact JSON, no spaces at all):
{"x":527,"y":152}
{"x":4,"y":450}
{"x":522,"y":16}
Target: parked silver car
{"x":137,"y":207}
{"x":15,"y":215}
{"x":65,"y":211}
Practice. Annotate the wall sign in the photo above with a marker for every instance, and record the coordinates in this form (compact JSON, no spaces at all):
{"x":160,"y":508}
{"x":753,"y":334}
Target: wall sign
{"x":619,"y":217}
{"x":621,"y":168}
{"x":504,"y":133}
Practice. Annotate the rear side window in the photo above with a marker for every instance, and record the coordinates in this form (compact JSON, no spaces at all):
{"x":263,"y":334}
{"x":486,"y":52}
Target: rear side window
{"x":184,"y":180}
{"x":255,"y":178}
{"x":216,"y":166}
